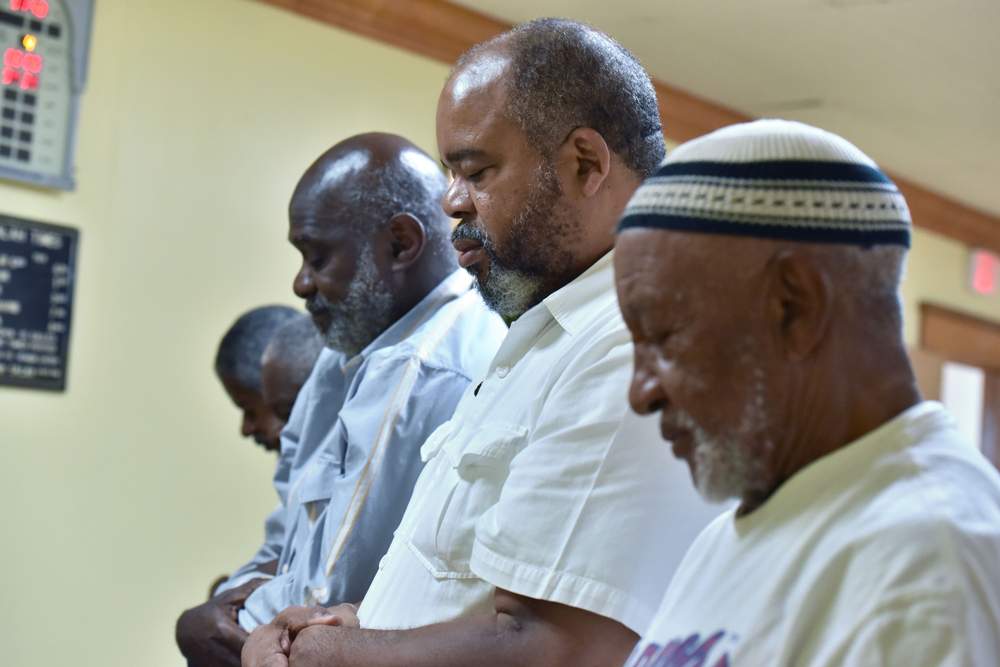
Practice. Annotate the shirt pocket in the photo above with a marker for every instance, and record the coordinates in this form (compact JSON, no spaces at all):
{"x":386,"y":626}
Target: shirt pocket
{"x":477,"y":463}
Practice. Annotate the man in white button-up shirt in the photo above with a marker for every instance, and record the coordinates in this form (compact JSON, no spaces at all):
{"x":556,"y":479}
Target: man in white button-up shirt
{"x":868,"y":528}
{"x":543,"y":529}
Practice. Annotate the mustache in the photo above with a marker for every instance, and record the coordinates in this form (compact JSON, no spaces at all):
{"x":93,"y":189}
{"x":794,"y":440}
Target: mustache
{"x":469,"y":231}
{"x":678,"y":421}
{"x":317,"y":305}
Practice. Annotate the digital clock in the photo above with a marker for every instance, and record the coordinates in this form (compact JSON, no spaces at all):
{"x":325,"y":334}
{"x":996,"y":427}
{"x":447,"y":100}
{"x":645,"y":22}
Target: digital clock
{"x":44,"y":46}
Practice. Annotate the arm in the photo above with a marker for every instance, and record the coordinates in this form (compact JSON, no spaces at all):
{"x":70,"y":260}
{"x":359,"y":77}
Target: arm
{"x":522,"y":632}
{"x":269,"y":568}
{"x":386,"y":430}
{"x":265,"y":561}
{"x":397,"y":404}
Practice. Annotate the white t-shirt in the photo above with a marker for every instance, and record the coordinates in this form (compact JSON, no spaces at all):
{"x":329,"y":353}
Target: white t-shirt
{"x":543,"y":483}
{"x":886,"y":552}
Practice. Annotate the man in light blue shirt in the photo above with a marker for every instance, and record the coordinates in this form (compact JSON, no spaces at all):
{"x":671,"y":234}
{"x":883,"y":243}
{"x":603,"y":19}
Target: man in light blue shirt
{"x":411,"y":333}
{"x":286,"y":366}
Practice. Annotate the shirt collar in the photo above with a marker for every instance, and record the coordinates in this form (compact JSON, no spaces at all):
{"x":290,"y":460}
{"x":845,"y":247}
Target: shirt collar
{"x":850,"y":463}
{"x":452,"y":287}
{"x":571,"y":305}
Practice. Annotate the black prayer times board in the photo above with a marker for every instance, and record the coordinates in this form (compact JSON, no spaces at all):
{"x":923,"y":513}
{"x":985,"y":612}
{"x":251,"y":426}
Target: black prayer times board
{"x":37,"y":273}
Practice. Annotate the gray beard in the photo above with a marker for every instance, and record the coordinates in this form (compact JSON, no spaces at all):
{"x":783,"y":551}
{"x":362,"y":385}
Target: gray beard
{"x":532,"y":265}
{"x":364,"y":312}
{"x":507,"y":291}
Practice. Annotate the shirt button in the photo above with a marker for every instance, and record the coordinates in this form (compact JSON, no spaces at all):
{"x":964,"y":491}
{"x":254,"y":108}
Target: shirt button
{"x":502,"y":371}
{"x":319,"y":595}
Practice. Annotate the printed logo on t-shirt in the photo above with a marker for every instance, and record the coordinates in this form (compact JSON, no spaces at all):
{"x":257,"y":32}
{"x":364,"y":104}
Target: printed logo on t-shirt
{"x":690,"y":652}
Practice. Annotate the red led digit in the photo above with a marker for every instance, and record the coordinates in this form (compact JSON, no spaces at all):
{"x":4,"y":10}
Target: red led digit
{"x":10,"y":75}
{"x":33,"y":63}
{"x":13,"y":58}
{"x":40,"y":8}
{"x":29,"y":82}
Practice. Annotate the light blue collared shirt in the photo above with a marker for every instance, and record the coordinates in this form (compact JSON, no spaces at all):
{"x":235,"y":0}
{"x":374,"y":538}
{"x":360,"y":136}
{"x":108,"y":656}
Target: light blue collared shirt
{"x":313,"y":415}
{"x":356,"y":457}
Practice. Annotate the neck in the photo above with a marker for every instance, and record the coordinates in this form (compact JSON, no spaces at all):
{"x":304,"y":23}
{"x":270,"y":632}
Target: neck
{"x":835,"y":408}
{"x":418,"y":284}
{"x":599,"y":227}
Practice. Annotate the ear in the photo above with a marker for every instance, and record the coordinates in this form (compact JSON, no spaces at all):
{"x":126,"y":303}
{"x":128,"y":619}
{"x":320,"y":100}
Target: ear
{"x":407,"y":237}
{"x":800,"y":303}
{"x":588,"y":160}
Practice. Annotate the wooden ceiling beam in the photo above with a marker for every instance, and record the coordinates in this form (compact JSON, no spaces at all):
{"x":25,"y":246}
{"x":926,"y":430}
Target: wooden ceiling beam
{"x":442,"y":30}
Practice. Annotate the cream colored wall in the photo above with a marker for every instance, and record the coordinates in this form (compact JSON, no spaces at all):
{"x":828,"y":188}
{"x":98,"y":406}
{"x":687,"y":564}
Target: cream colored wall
{"x":938,"y":273}
{"x":124,"y":496}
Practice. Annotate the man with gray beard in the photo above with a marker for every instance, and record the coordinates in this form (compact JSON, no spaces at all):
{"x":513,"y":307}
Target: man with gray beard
{"x":543,"y":528}
{"x":406,"y":333}
{"x":758,"y":270}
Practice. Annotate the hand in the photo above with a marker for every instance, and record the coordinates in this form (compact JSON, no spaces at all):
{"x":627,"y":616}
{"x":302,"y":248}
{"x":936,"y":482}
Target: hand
{"x":267,"y":646}
{"x":297,"y":619}
{"x":218,"y":581}
{"x":208,"y":635}
{"x":271,"y":644}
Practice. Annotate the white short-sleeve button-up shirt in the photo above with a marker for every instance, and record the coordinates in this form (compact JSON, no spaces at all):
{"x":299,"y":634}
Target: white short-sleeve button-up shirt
{"x":542,"y":483}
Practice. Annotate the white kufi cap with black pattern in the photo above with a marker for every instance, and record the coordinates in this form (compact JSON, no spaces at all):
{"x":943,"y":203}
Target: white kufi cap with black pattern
{"x":773,"y":179}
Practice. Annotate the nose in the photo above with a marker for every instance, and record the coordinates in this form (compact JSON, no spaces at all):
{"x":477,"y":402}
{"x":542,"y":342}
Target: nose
{"x":645,"y":393}
{"x":249,"y":426}
{"x":303,"y":284}
{"x":456,"y":201}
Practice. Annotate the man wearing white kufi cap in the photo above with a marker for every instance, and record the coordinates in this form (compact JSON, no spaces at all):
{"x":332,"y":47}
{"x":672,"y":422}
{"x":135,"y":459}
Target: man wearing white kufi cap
{"x":758,"y":271}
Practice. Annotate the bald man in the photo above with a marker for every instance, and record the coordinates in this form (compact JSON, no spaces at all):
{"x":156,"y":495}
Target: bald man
{"x":543,"y":528}
{"x":759,"y":274}
{"x":407,"y":333}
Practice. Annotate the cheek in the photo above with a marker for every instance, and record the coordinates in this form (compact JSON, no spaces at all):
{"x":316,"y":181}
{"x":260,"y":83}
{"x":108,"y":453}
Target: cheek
{"x":332,"y":282}
{"x":497,"y":207}
{"x":694,"y":384}
{"x":724,"y":391}
{"x":489,"y":211}
{"x":683,"y":384}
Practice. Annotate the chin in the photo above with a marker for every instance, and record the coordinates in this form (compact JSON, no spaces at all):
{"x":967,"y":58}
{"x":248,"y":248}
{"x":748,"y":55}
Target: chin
{"x":717,"y":483}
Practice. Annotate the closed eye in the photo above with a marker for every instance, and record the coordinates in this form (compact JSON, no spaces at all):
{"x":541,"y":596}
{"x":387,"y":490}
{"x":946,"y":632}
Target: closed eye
{"x":317,"y":262}
{"x":476,"y":176}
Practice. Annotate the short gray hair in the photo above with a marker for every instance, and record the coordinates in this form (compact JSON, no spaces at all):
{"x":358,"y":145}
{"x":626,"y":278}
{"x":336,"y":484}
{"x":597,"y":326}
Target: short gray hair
{"x":393,"y":188}
{"x":566,"y":75}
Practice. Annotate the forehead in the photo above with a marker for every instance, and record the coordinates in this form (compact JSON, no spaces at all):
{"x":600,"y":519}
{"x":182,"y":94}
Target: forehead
{"x":325,"y":219}
{"x":652,"y":267}
{"x":692,"y":276}
{"x":240,"y":393}
{"x":470,"y":114}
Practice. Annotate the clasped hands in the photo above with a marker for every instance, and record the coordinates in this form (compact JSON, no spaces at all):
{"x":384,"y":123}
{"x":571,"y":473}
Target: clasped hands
{"x":271,"y":645}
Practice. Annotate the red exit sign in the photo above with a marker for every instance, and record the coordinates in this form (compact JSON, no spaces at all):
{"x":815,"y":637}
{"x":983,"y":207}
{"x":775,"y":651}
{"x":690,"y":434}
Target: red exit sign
{"x":984,"y":272}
